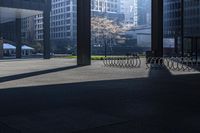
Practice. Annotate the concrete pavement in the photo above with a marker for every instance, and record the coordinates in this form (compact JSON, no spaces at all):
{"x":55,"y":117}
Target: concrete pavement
{"x":56,"y":96}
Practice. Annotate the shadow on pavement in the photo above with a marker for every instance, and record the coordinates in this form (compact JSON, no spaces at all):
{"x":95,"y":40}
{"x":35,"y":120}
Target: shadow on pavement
{"x":145,"y":105}
{"x":26,"y":75}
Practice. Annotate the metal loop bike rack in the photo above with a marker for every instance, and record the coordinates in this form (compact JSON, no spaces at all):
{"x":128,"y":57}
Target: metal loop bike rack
{"x":173,"y":63}
{"x":122,"y":61}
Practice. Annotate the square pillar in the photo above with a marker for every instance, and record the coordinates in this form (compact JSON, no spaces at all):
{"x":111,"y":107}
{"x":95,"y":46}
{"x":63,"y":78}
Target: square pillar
{"x":18,"y":38}
{"x":1,"y":47}
{"x":83,"y":32}
{"x":1,"y":44}
{"x":46,"y":31}
{"x":157,"y":28}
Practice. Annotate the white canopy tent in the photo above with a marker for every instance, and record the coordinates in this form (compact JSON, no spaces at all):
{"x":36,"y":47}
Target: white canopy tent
{"x":25,"y":47}
{"x":10,"y":46}
{"x":10,"y":49}
{"x":7,"y":46}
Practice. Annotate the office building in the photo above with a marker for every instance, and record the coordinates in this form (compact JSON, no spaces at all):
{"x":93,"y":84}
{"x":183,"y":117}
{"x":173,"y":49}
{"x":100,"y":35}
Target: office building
{"x":144,"y":12}
{"x":172,"y":19}
{"x":182,"y":24}
{"x":107,"y":8}
{"x":27,"y":29}
{"x":63,"y":24}
{"x":15,"y":17}
{"x":130,"y":11}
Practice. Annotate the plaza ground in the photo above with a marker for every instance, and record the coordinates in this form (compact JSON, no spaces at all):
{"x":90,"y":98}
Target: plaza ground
{"x":56,"y":96}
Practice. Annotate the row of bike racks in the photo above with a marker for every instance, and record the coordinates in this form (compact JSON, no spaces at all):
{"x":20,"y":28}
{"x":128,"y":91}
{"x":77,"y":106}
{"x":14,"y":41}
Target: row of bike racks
{"x":122,"y":62}
{"x":173,"y":63}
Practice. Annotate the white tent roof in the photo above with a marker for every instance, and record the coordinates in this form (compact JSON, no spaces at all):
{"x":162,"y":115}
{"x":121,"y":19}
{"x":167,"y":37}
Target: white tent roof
{"x":24,"y":47}
{"x":8,"y":46}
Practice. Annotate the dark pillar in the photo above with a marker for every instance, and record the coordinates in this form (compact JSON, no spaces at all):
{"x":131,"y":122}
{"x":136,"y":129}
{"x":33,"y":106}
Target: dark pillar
{"x":18,"y":38}
{"x":83,"y":32}
{"x":182,"y":28}
{"x":1,"y":47}
{"x":196,"y":47}
{"x":46,"y":31}
{"x":176,"y":45}
{"x":1,"y":44}
{"x":157,"y":28}
{"x":192,"y":47}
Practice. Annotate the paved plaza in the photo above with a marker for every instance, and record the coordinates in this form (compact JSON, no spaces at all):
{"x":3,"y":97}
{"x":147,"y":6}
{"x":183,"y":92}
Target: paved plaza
{"x":56,"y":96}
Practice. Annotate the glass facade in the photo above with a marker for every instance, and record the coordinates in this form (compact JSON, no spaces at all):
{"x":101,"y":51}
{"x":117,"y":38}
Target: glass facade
{"x":182,"y":27}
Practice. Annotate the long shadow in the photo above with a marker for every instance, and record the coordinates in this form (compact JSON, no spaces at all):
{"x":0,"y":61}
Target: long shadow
{"x":143,"y":105}
{"x":155,"y":72}
{"x":31,"y":74}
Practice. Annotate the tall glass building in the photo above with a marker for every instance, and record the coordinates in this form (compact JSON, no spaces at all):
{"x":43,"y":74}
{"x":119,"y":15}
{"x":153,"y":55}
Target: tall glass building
{"x":183,"y":31}
{"x":172,"y":19}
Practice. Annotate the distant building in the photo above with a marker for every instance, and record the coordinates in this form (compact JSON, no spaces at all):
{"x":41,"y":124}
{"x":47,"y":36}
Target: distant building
{"x":191,"y":25}
{"x":130,"y":10}
{"x":38,"y":29}
{"x":192,"y":18}
{"x":63,"y":25}
{"x":107,"y":8}
{"x":172,"y":19}
{"x":28,"y":29}
{"x":142,"y":35}
{"x":144,"y":12}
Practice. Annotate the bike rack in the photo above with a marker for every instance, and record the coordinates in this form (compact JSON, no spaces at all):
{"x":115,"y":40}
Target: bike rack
{"x":172,"y":63}
{"x":122,"y":61}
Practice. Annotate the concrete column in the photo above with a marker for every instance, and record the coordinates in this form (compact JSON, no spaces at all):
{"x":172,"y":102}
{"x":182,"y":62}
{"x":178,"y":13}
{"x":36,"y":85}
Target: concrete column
{"x":157,"y":27}
{"x":18,"y":38}
{"x":1,"y":47}
{"x":182,"y":28}
{"x":83,"y":32}
{"x":46,"y":31}
{"x":176,"y":45}
{"x":1,"y":44}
